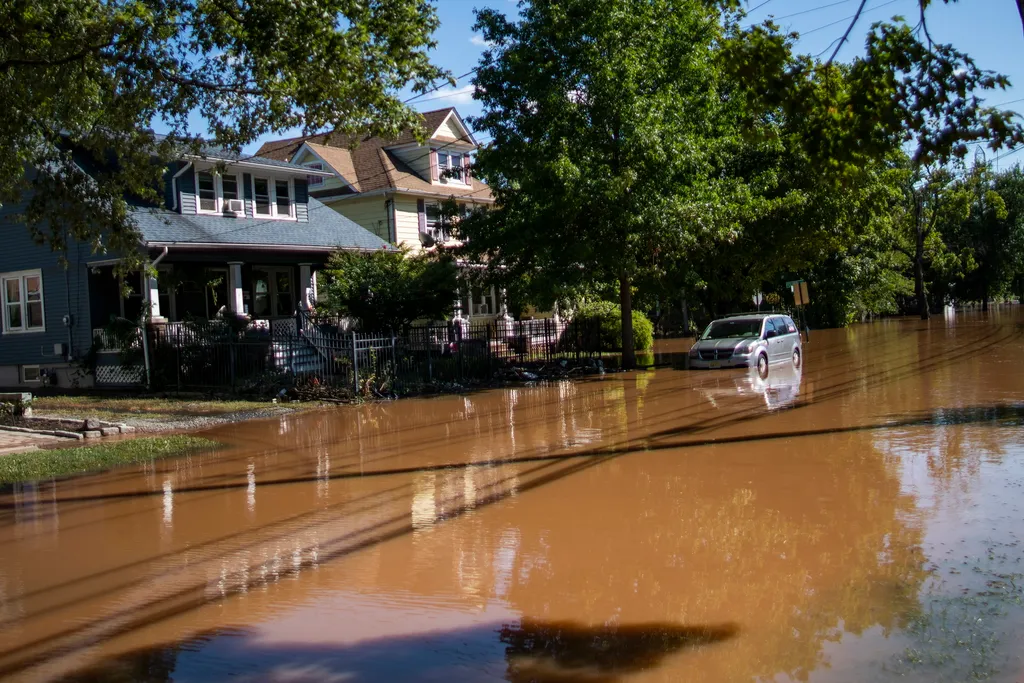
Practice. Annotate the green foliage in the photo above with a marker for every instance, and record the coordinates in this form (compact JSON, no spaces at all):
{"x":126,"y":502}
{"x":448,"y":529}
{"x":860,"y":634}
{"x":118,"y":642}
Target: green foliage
{"x":606,"y":160}
{"x":86,"y":80}
{"x":993,"y":233}
{"x":386,"y":290}
{"x":64,"y":461}
{"x":604,"y":318}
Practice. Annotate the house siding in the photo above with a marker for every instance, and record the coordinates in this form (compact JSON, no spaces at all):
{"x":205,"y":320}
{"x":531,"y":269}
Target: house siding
{"x":302,"y":201}
{"x":250,"y":204}
{"x":449,"y":129}
{"x":64,"y":292}
{"x":370,"y":214}
{"x":187,"y":192}
{"x":407,"y":227}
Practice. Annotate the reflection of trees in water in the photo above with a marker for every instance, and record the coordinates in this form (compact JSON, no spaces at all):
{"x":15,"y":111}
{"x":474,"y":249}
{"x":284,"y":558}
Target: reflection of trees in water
{"x":155,"y":665}
{"x":956,"y":442}
{"x":541,"y":651}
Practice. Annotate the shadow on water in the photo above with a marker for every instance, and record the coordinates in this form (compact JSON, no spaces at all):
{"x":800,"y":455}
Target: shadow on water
{"x":567,"y":651}
{"x":534,"y":652}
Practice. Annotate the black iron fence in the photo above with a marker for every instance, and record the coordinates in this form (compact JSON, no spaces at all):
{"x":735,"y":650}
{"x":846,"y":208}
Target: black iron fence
{"x":317,"y":352}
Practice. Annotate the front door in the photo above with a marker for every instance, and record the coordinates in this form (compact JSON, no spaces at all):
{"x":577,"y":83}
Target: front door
{"x":273,"y":292}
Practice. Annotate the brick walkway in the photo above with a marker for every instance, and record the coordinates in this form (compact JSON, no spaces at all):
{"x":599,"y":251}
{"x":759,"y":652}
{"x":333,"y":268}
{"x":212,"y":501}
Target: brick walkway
{"x":17,"y":442}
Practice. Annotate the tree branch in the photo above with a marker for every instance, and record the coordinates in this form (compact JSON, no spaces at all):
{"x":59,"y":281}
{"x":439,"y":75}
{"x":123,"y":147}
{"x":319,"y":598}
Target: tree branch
{"x":11,"y":63}
{"x":849,"y":29}
{"x":209,"y":85}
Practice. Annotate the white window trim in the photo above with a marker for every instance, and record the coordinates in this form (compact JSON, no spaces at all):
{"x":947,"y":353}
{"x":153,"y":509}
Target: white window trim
{"x":218,"y":190}
{"x":37,"y":380}
{"x":272,"y":189}
{"x":441,"y":179}
{"x":21,"y":275}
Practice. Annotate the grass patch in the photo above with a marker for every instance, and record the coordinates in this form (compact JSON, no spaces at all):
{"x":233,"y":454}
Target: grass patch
{"x":36,"y":465}
{"x":101,"y":406}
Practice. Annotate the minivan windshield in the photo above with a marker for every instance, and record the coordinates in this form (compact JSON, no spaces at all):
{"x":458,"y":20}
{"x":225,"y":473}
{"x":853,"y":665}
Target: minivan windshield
{"x":733,"y":329}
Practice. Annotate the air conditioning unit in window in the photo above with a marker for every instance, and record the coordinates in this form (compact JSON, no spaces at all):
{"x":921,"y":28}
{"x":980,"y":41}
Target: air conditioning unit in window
{"x":234,"y":206}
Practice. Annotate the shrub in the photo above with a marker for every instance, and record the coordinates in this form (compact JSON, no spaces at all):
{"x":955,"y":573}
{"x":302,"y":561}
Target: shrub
{"x":597,"y":326}
{"x":388,"y":289}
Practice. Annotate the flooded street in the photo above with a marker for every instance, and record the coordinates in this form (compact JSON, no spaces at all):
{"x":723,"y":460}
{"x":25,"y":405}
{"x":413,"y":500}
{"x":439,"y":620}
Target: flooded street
{"x":858,"y":519}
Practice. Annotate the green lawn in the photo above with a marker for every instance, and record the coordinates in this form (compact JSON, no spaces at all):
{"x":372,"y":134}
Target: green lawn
{"x":63,"y":461}
{"x":102,"y":406}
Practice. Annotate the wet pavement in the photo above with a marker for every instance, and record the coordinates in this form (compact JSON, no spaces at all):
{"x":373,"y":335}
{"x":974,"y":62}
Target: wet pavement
{"x":859,"y":518}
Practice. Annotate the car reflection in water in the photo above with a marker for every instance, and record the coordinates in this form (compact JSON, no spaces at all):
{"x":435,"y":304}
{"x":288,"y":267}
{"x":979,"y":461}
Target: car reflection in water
{"x":779,"y":390}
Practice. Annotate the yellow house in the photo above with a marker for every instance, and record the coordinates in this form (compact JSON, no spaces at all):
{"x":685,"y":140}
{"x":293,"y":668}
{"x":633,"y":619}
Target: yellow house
{"x":393,"y":187}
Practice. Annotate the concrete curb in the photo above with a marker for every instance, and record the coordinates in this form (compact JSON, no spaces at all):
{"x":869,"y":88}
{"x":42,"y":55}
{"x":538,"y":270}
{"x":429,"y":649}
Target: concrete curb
{"x":44,"y":432}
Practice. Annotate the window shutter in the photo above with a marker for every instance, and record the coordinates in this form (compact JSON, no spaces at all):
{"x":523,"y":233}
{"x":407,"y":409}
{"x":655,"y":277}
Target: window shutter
{"x":433,"y":165}
{"x":421,"y":214}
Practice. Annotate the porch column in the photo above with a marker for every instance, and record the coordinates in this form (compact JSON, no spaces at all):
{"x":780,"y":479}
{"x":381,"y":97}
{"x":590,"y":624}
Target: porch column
{"x":307,"y":288}
{"x":235,"y":301}
{"x":459,"y":313}
{"x":151,"y":296}
{"x":502,"y":303}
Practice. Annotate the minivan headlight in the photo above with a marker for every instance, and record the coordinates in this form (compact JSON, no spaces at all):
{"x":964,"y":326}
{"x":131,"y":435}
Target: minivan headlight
{"x":693,"y":352}
{"x":748,"y":347}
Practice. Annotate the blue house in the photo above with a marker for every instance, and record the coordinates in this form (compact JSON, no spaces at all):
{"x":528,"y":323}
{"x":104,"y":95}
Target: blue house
{"x":235,"y":235}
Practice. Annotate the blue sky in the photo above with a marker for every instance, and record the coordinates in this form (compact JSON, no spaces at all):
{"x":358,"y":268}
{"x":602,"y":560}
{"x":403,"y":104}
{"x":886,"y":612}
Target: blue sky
{"x":988,"y":30}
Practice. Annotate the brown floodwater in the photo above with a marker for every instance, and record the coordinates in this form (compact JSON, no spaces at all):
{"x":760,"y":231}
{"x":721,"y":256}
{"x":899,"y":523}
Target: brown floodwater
{"x":857,"y":519}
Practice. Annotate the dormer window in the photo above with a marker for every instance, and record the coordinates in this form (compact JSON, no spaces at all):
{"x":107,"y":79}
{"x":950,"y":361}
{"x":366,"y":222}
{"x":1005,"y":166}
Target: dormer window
{"x":273,"y":198}
{"x":451,"y":167}
{"x":229,"y":185}
{"x":216,"y":191}
{"x":314,"y":180}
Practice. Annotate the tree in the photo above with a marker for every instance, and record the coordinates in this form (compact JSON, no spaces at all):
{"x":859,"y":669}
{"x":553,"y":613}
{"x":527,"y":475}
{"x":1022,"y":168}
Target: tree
{"x":993,"y":233}
{"x":386,"y":290}
{"x":84,"y":80}
{"x":606,"y":119}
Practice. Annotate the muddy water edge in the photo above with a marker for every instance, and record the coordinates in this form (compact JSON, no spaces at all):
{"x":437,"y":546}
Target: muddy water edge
{"x":858,"y":518}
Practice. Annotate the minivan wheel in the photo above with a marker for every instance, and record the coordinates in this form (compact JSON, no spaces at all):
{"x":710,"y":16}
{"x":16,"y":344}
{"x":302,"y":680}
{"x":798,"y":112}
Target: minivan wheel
{"x":762,"y":366}
{"x":796,"y":358}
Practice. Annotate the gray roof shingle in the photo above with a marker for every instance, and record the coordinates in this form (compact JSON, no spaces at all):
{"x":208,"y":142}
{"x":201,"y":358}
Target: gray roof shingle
{"x":326,"y":229}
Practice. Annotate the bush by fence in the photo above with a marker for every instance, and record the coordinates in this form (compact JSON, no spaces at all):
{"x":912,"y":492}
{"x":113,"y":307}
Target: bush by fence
{"x":599,"y":325}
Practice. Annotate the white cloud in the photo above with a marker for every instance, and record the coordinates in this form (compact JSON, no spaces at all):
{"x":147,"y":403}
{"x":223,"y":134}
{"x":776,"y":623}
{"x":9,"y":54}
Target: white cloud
{"x":479,"y":41}
{"x":463,"y":95}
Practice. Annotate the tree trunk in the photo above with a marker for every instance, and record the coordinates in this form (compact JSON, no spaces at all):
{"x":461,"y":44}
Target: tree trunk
{"x":922,"y":299}
{"x":626,"y":303}
{"x":984,"y":295}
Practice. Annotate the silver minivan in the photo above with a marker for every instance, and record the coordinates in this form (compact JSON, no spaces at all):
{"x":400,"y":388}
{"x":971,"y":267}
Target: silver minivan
{"x":751,"y":340}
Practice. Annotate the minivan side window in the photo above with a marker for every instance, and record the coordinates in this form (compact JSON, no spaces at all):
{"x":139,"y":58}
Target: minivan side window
{"x":790,"y":325}
{"x":770,"y":328}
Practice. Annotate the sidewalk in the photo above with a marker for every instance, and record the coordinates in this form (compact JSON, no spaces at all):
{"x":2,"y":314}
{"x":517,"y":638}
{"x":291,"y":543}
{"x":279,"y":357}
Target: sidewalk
{"x":18,"y":442}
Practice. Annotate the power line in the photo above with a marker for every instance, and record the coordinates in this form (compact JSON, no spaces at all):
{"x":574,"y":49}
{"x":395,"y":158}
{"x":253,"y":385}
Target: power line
{"x":1003,"y":104}
{"x":806,"y":11}
{"x":438,"y":87}
{"x":754,"y":9}
{"x":1011,"y":152}
{"x":852,"y":16}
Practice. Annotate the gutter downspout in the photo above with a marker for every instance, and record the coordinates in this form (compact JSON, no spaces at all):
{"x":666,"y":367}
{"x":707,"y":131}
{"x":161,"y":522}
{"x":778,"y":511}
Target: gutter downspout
{"x":174,"y":187}
{"x":149,"y":313}
{"x":389,"y":210}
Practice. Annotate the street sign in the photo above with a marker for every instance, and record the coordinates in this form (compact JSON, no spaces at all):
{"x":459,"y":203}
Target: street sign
{"x":758,"y":298}
{"x":799,"y":287}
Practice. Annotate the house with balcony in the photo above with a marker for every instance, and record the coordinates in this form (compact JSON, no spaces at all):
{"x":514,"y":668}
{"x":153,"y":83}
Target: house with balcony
{"x":233,"y":236}
{"x":393,"y":188}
